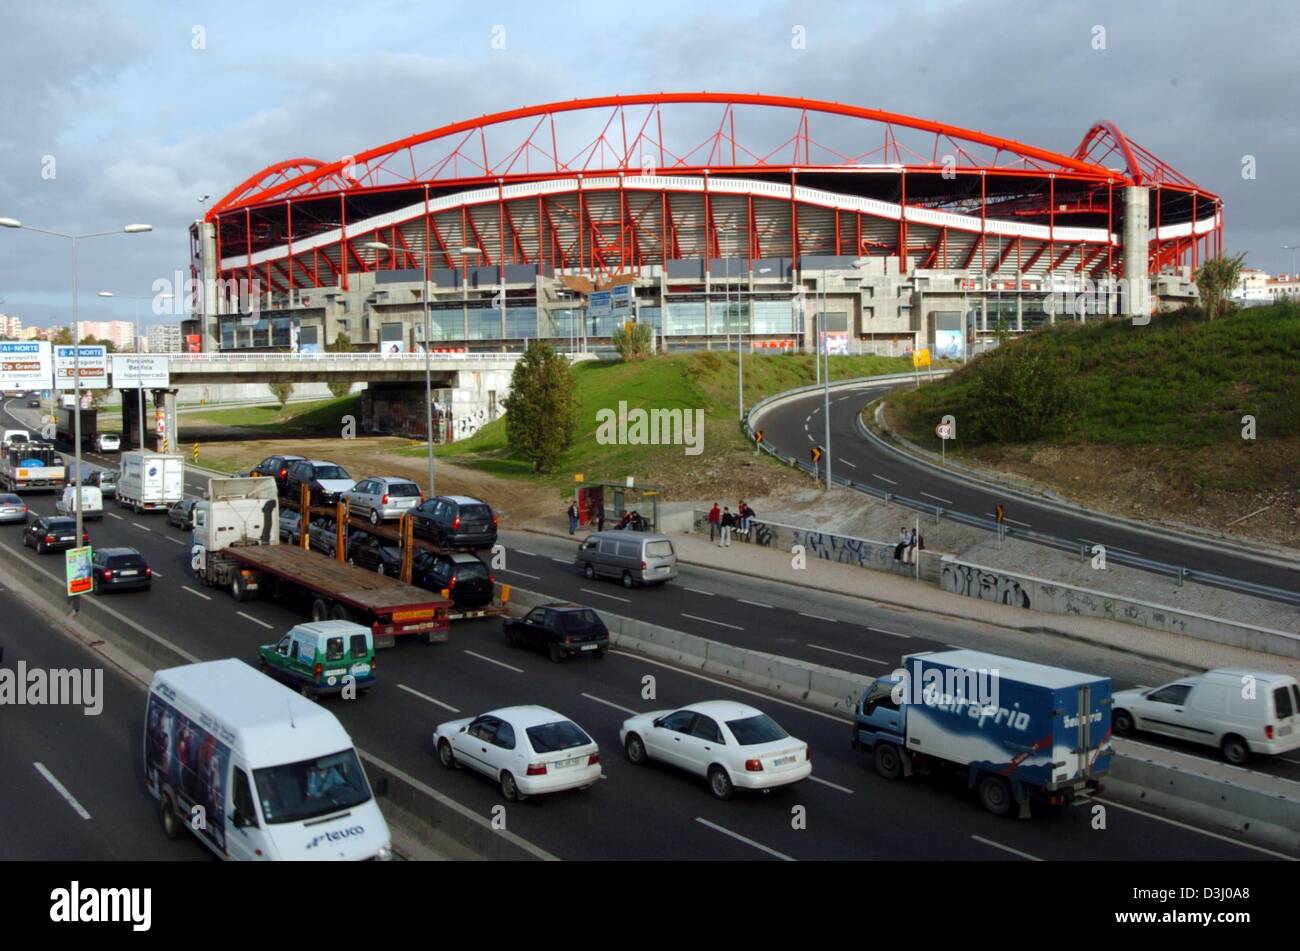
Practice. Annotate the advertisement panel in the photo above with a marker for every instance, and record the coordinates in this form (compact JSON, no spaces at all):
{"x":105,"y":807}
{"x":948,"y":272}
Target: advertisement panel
{"x":150,"y":370}
{"x":25,"y":365}
{"x":836,"y":344}
{"x":600,"y":304}
{"x":193,"y":762}
{"x":80,"y":574}
{"x":950,"y":344}
{"x":94,"y":367}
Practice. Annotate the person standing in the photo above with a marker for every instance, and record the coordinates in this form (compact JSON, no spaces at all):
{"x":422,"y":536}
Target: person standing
{"x":600,"y":515}
{"x":728,"y":522}
{"x":715,"y":519}
{"x":573,"y":517}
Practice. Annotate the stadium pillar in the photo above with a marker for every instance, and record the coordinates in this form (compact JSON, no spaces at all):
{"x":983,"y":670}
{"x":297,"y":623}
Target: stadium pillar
{"x":206,"y":296}
{"x":1135,"y":301}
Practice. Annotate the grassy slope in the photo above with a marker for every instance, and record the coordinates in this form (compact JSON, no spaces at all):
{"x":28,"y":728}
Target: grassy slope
{"x":315,"y":418}
{"x":694,"y":380}
{"x":1175,"y":391}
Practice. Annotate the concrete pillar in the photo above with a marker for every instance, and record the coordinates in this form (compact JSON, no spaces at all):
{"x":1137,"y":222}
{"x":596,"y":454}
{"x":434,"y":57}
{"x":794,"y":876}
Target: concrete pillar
{"x":208,"y":290}
{"x":1135,"y":297}
{"x":130,"y":425}
{"x":162,"y":424}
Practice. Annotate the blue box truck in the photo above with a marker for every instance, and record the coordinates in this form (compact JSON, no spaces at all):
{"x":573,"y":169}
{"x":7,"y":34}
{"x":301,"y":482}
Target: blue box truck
{"x":1016,"y":731}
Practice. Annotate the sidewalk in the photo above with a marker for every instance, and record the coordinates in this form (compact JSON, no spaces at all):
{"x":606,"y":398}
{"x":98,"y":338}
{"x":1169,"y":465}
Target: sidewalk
{"x":824,"y":575}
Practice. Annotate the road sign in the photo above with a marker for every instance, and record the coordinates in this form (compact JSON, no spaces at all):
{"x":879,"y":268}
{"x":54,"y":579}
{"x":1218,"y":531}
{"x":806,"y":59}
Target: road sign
{"x":80,"y":573}
{"x":93,"y":361}
{"x":758,"y":435}
{"x":149,"y":370}
{"x":999,"y":513}
{"x":920,"y":358}
{"x":25,"y":365}
{"x":816,"y":453}
{"x":194,"y":453}
{"x":944,"y":431}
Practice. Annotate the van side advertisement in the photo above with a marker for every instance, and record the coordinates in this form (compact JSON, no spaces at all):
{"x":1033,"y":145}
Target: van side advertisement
{"x":193,"y":762}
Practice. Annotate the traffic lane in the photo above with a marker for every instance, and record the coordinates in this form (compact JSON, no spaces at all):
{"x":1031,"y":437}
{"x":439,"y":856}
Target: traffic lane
{"x":89,"y":766}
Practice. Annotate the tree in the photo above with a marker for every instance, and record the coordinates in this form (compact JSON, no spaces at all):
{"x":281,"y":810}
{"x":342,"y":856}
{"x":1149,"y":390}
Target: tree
{"x":62,"y":336}
{"x":1216,"y":279}
{"x":281,"y":391}
{"x":542,"y":409}
{"x":634,"y":345}
{"x":342,"y":344}
{"x":1017,"y":394}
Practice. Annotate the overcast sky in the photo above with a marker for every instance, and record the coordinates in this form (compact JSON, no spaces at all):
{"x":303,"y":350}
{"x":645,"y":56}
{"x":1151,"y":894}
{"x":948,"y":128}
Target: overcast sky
{"x":109,"y":114}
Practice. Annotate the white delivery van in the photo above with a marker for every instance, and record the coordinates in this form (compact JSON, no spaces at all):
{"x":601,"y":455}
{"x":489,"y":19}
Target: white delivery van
{"x":92,"y":502}
{"x":1240,"y":711}
{"x":148,"y":481}
{"x":255,"y":770}
{"x":107,"y":442}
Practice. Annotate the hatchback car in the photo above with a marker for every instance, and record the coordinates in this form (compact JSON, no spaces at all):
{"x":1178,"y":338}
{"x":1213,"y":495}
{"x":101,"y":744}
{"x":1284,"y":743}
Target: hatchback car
{"x":464,"y":577}
{"x":181,"y":514}
{"x":117,"y":569}
{"x":290,"y":526}
{"x":105,"y":480}
{"x":383,"y":498}
{"x":276,"y":467}
{"x":529,"y":750}
{"x":326,"y":480}
{"x":323,"y":535}
{"x":456,"y":521}
{"x":561,"y":628}
{"x":377,"y":554}
{"x":731,"y":744}
{"x":53,"y":533}
{"x":12,"y":508}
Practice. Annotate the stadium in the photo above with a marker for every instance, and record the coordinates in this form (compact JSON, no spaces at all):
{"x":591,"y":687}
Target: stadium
{"x":711,"y":217}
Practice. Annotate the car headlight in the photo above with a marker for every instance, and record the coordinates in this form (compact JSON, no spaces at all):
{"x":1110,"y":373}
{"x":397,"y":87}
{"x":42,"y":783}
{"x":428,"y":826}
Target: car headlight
{"x":385,"y":854}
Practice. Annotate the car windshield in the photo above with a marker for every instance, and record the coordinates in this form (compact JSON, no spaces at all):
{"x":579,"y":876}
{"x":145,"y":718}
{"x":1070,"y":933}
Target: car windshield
{"x":553,"y":737}
{"x":752,"y":731}
{"x":311,"y":788}
{"x":330,"y":472}
{"x":404,"y":490}
{"x":579,"y":621}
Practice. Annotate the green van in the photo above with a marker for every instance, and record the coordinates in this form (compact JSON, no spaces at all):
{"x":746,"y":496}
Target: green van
{"x":317,"y":657}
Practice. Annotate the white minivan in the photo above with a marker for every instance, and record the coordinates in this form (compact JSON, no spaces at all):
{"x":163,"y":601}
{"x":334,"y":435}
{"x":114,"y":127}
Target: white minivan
{"x":1239,"y":711}
{"x":92,"y":502}
{"x":271,"y":774}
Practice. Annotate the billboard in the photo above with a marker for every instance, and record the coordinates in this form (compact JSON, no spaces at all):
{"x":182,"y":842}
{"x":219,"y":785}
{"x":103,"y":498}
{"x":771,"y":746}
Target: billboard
{"x":25,"y":365}
{"x":149,"y":370}
{"x":600,"y":304}
{"x":94,"y":367}
{"x":79,"y":570}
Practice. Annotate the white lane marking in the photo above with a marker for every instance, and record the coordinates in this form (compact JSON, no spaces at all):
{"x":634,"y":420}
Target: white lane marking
{"x":809,"y":435}
{"x":522,"y":574}
{"x":1006,"y":848}
{"x":937,"y":498}
{"x":847,"y":463}
{"x":143,"y":528}
{"x":156,"y":575}
{"x":706,"y":620}
{"x":563,"y":561}
{"x":757,"y":604}
{"x":608,"y":703}
{"x":877,"y":475}
{"x":881,"y":630}
{"x":205,"y":597}
{"x":602,"y":594}
{"x":425,"y":696}
{"x":518,"y":670}
{"x":817,"y":617}
{"x":699,"y":591}
{"x":62,"y":790}
{"x":1190,"y":828}
{"x":826,"y":782}
{"x":722,"y":683}
{"x":528,"y":553}
{"x":740,"y":838}
{"x":254,"y":619}
{"x":805,"y":427}
{"x":115,"y":515}
{"x":174,"y":541}
{"x":831,"y":650}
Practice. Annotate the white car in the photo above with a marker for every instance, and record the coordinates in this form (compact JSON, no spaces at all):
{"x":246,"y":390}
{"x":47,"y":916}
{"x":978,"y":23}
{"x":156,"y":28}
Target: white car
{"x":528,"y":750}
{"x":733,"y":745}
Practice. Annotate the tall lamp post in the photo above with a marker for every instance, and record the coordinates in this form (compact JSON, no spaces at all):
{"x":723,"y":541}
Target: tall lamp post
{"x":826,"y":381}
{"x":139,"y":390}
{"x":72,"y":239}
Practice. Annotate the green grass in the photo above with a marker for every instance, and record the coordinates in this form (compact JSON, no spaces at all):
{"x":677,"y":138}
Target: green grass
{"x":1180,"y":381}
{"x":314,"y":418}
{"x":703,"y":379}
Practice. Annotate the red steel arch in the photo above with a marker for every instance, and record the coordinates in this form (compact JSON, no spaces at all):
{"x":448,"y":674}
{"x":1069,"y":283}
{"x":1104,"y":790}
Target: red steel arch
{"x":1105,"y":139}
{"x":394,"y":164}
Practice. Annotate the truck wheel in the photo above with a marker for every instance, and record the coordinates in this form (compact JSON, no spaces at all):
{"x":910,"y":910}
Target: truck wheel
{"x":171,"y":823}
{"x":1122,"y":723}
{"x":888,"y":763}
{"x":239,"y":588}
{"x":1235,"y":749}
{"x":995,"y":795}
{"x":320,"y":610}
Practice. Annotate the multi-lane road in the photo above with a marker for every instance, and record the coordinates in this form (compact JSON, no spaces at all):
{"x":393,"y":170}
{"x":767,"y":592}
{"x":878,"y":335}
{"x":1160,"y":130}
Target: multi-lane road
{"x":795,"y":426}
{"x":646,"y":812}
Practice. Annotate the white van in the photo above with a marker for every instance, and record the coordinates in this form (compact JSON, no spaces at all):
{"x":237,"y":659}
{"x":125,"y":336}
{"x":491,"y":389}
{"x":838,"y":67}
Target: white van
{"x":107,"y":442}
{"x":254,"y":770}
{"x":92,"y":502}
{"x":1239,"y":711}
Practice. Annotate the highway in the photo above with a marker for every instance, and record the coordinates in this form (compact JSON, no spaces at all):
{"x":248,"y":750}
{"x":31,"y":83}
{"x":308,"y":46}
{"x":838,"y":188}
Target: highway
{"x":795,"y":426}
{"x":635,"y":812}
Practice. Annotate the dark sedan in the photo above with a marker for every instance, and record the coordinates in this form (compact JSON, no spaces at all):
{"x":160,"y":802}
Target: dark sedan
{"x":562,"y":629}
{"x":53,"y":533}
{"x":120,"y":569}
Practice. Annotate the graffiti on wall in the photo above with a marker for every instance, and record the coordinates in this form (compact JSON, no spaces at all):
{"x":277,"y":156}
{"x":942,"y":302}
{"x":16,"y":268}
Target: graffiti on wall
{"x":847,"y":550}
{"x":470,"y":423}
{"x":985,"y":585}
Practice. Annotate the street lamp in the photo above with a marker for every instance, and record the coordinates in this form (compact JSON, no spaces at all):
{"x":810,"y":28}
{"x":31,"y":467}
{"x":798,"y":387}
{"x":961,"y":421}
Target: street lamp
{"x":72,"y":239}
{"x":1293,"y":248}
{"x":826,"y":380}
{"x":139,"y":390}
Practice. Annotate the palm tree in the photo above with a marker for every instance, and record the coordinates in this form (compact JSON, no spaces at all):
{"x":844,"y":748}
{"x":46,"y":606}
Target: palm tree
{"x":1215,"y":279}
